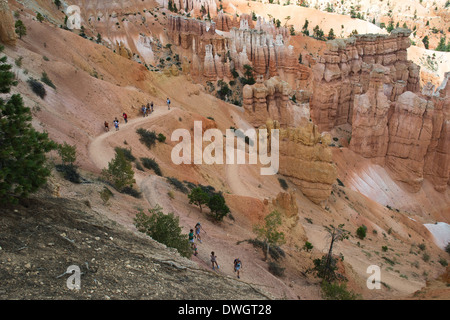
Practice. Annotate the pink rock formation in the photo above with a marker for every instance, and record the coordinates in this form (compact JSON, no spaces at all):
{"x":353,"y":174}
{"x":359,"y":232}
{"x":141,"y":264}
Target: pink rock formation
{"x":306,"y":159}
{"x":344,"y":71}
{"x":7,"y":32}
{"x":437,"y":159}
{"x":410,"y":131}
{"x":264,"y":48}
{"x":267,"y":99}
{"x":370,"y":116}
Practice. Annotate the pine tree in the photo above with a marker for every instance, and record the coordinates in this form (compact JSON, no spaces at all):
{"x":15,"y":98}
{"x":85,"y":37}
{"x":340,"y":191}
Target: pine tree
{"x":39,"y":17}
{"x":21,"y":30}
{"x":58,"y":3}
{"x":218,"y":207}
{"x":22,"y":154}
{"x":331,"y":34}
{"x":305,"y":28}
{"x":426,"y":42}
{"x":120,"y":172}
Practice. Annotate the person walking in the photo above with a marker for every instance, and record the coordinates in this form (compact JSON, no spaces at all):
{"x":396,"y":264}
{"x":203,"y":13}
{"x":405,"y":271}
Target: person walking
{"x":214,"y":260}
{"x":151,"y":106}
{"x":198,"y":227}
{"x":106,"y":126}
{"x":148,"y":109}
{"x":116,"y":124}
{"x":191,"y":236}
{"x":125,"y":117}
{"x":168,"y":104}
{"x":144,"y":110}
{"x":237,"y":266}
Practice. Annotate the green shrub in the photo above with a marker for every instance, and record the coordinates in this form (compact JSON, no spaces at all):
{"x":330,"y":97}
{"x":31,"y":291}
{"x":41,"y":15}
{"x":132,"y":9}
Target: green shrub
{"x":69,"y":172}
{"x":177,"y":184}
{"x":127,"y":152}
{"x":422,"y":246}
{"x":426,"y":257}
{"x":163,"y":228}
{"x":275,"y":252}
{"x":308,"y":246}
{"x":384,"y":248}
{"x":218,"y":207}
{"x":340,"y":183}
{"x":388,"y":261}
{"x":361,"y":232}
{"x":37,"y":87}
{"x":336,"y":291}
{"x":147,"y":137}
{"x":45,"y":79}
{"x":139,"y":166}
{"x":132,"y":192}
{"x":443,"y":262}
{"x":283,"y":183}
{"x":67,"y":153}
{"x":161,"y":138}
{"x":276,"y":269}
{"x":105,"y":195}
{"x":152,"y":165}
{"x":321,"y":269}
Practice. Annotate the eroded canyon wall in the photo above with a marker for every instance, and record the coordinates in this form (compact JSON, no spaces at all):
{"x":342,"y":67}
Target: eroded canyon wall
{"x":7,"y":32}
{"x":344,"y":72}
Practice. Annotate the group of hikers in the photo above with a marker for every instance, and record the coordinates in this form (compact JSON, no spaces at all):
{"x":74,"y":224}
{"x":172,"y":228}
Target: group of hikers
{"x":194,"y":234}
{"x":116,"y":122}
{"x":146,"y":110}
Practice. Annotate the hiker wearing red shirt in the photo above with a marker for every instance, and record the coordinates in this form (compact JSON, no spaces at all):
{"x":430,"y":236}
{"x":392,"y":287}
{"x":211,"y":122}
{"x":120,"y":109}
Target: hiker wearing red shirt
{"x":125,"y":117}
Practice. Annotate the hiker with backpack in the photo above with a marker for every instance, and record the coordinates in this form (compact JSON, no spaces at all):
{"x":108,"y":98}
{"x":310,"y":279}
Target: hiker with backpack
{"x":106,"y":126}
{"x":214,"y":260}
{"x":125,"y":117}
{"x":168,"y":104}
{"x":116,"y":124}
{"x":144,"y":110}
{"x":151,"y":107}
{"x":237,"y":266}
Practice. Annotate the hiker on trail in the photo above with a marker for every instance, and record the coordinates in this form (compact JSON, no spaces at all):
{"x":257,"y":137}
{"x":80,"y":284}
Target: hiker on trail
{"x":116,"y":124}
{"x":194,"y":247}
{"x":168,"y":104}
{"x":151,"y":106}
{"x":198,"y":227}
{"x":144,"y":110}
{"x":191,"y":236}
{"x":106,"y":126}
{"x":237,"y":266}
{"x":148,"y":109}
{"x":214,"y":260}
{"x":125,"y":117}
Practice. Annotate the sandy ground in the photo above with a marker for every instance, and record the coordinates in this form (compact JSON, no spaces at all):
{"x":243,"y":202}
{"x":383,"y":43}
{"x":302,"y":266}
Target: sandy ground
{"x":75,"y":112}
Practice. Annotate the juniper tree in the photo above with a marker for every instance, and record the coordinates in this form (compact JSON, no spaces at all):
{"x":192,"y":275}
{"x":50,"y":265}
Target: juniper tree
{"x":268,"y":231}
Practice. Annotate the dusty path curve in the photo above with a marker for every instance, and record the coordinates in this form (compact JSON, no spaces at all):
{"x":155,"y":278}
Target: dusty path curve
{"x":101,"y":152}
